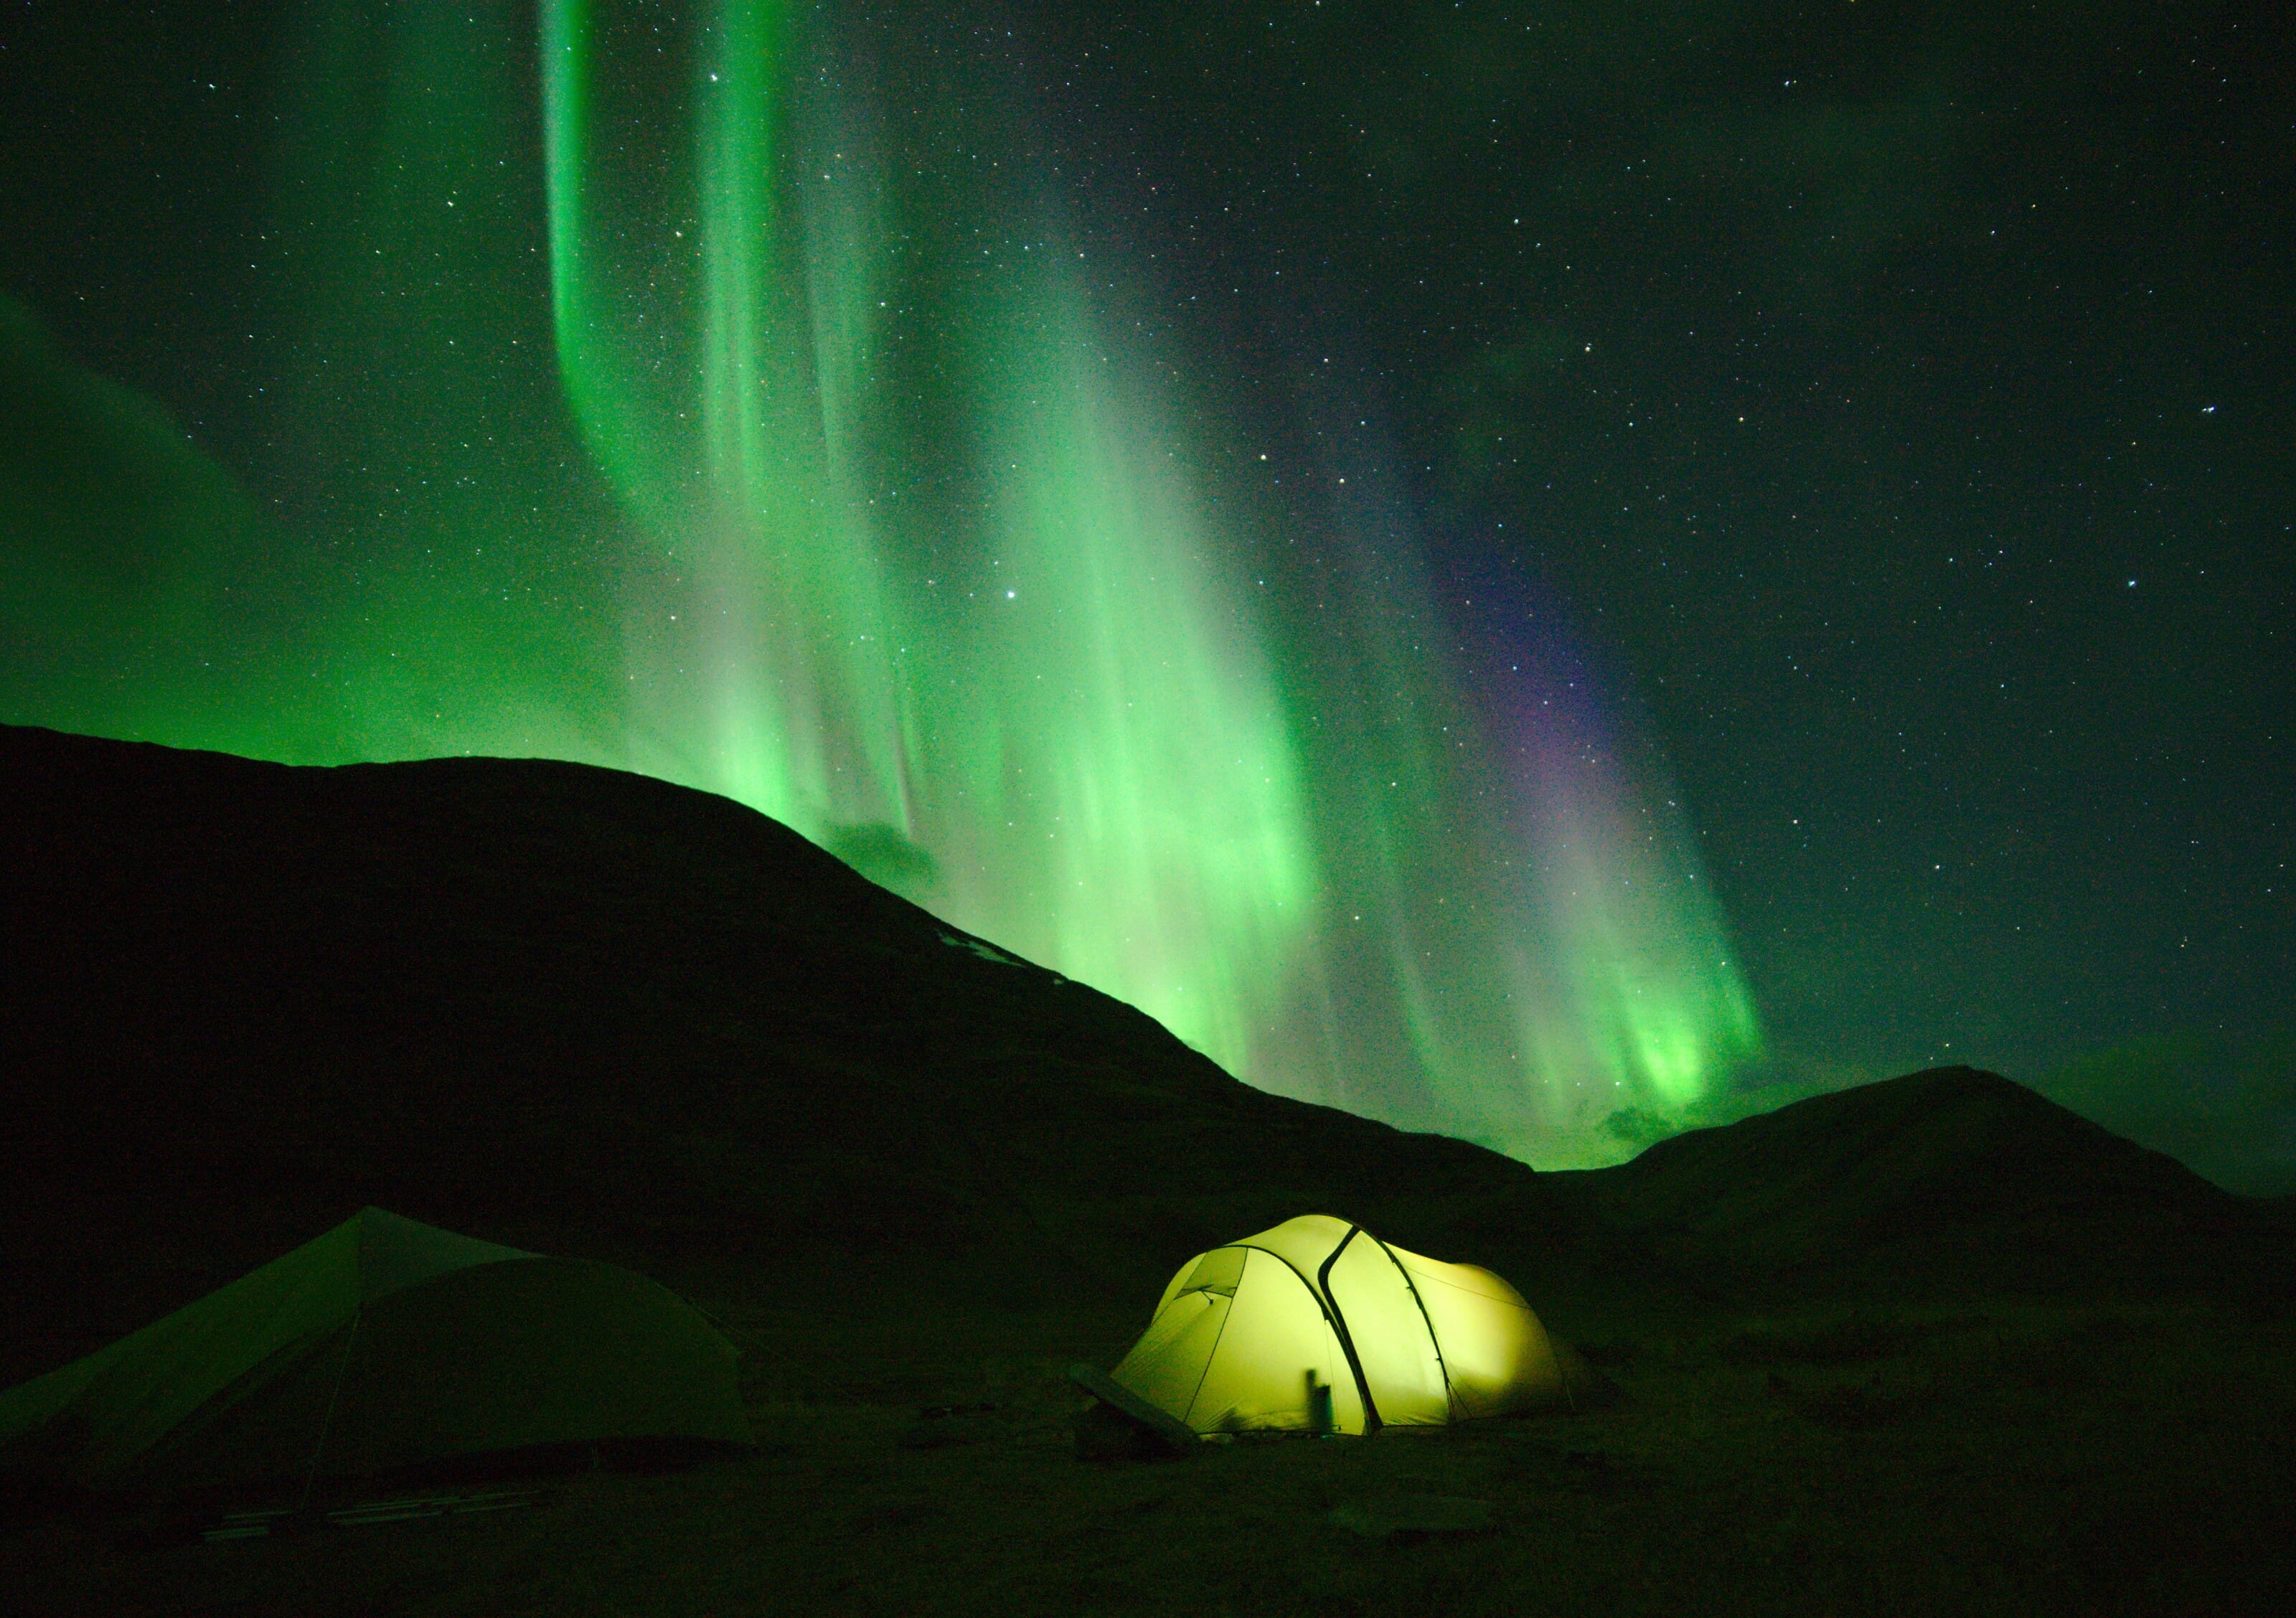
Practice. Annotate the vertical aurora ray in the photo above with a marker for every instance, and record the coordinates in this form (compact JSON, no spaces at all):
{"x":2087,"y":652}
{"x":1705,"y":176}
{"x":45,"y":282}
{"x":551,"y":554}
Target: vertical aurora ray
{"x":862,"y":494}
{"x":1635,"y":995}
{"x":1109,"y":733}
{"x":609,"y":366}
{"x":726,"y":429}
{"x":1068,"y":717}
{"x":803,"y":721}
{"x":1524,"y":902}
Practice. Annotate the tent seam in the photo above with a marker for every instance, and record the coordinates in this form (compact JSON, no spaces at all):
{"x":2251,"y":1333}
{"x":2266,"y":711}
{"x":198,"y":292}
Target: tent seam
{"x":1450,"y":1399}
{"x":327,"y":1421}
{"x":1196,"y":1392}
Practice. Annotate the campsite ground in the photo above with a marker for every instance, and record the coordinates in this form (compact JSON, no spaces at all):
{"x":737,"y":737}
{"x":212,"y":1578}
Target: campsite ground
{"x":1956,"y":1456}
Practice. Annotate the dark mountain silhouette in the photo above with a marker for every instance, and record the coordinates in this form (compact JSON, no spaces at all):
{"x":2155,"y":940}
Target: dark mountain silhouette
{"x":497,"y":994}
{"x":1951,"y":1167}
{"x":607,"y":1014}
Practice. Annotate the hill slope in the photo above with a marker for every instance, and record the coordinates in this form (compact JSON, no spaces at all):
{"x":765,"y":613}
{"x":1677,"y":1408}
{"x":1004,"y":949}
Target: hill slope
{"x":589,"y":1011}
{"x":1952,"y":1167}
{"x":524,"y":995}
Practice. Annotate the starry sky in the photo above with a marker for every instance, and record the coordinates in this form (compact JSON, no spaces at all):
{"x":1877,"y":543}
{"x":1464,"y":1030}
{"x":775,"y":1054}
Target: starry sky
{"x":1592,"y":567}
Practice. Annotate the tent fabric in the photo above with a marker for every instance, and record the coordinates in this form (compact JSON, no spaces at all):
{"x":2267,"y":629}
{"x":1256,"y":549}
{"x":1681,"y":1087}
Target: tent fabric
{"x":384,"y":1343}
{"x":1246,"y":1334}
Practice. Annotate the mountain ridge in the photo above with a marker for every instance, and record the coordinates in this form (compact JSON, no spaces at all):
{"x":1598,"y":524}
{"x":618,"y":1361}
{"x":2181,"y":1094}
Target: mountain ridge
{"x":601,"y":1013}
{"x":490,"y":993}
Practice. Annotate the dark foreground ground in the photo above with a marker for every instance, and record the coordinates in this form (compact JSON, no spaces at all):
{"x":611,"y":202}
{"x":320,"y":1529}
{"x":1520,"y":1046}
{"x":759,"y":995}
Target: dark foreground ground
{"x":1962,"y":1456}
{"x":1934,"y":1345}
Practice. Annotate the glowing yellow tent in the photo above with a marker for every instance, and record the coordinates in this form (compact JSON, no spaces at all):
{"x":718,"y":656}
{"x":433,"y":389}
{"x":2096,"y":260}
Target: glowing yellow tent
{"x":1318,"y":1326}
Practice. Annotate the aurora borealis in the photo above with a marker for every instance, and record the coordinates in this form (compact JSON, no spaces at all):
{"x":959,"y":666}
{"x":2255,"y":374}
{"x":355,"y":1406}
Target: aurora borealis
{"x":979,"y":606}
{"x":1193,"y":506}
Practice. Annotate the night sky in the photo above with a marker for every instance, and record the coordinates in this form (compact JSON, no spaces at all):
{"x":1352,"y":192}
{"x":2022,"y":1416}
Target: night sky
{"x":1548,"y":572}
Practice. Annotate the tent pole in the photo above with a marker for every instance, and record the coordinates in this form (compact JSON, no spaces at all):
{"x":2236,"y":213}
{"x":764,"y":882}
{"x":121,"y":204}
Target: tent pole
{"x":1371,"y":1422}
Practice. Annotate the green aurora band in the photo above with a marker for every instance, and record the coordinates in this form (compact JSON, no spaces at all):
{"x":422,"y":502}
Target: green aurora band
{"x":868,"y":495}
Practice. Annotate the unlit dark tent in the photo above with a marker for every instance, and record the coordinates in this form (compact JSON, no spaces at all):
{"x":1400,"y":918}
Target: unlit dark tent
{"x":1317,"y":1325}
{"x":383,"y":1345}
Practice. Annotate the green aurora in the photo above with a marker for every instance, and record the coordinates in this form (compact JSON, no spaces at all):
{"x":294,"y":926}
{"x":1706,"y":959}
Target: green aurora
{"x":755,"y":413}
